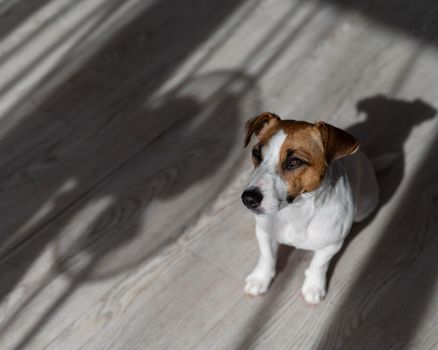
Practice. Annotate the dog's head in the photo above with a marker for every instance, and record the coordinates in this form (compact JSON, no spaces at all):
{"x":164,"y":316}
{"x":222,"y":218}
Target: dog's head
{"x":290,"y":158}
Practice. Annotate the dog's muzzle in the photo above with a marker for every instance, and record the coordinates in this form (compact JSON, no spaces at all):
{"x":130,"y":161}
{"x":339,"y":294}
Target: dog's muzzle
{"x":252,"y":198}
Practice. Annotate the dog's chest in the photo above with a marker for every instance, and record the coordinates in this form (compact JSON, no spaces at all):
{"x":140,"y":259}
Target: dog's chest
{"x":299,"y":232}
{"x":315,"y":222}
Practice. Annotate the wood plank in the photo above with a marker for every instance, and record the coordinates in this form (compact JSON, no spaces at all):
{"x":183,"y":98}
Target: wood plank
{"x":175,"y":284}
{"x":121,"y":220}
{"x":97,"y":118}
{"x":175,"y":312}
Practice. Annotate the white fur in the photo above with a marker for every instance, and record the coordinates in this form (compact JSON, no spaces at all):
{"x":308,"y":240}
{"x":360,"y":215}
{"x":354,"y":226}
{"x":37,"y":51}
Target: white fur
{"x":265,"y":177}
{"x":317,"y":221}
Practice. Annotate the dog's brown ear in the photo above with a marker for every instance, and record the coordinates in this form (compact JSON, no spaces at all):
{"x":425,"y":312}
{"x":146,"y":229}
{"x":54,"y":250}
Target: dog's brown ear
{"x":337,"y":143}
{"x":259,"y":125}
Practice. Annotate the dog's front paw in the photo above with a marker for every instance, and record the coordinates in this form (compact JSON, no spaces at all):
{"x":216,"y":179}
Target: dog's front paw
{"x":256,"y":284}
{"x":313,"y":293}
{"x":313,"y":289}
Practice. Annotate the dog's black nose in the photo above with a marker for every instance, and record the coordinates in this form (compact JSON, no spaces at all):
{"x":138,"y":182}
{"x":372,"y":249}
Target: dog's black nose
{"x":252,"y":197}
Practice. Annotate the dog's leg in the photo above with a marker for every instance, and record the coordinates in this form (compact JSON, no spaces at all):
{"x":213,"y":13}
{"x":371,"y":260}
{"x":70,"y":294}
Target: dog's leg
{"x":314,"y":286}
{"x":259,"y":279}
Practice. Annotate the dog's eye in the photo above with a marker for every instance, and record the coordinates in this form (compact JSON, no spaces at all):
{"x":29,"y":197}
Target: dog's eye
{"x":257,"y":154}
{"x":293,"y":162}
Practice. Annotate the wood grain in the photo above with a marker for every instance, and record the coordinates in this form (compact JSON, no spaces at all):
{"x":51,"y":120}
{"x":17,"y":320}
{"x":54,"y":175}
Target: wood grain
{"x":122,"y":166}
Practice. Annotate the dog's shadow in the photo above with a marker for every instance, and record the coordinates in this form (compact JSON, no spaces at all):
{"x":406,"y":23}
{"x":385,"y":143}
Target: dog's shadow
{"x":382,"y":135}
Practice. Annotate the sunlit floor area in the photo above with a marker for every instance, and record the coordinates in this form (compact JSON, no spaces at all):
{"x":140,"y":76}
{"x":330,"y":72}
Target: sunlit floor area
{"x":122,"y":165}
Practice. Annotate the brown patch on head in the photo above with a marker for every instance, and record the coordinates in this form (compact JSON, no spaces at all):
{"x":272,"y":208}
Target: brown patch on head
{"x":337,"y":143}
{"x":307,"y":151}
{"x":302,"y":160}
{"x":261,"y":125}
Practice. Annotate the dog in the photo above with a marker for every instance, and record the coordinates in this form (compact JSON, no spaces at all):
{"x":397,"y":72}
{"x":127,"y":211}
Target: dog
{"x":310,"y":183}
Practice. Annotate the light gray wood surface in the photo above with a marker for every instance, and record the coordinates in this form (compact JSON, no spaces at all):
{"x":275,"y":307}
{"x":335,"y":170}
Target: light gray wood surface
{"x":121,"y":134}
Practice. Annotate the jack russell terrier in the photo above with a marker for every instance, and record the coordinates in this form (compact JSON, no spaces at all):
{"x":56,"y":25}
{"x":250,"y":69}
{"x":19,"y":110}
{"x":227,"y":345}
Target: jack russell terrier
{"x":304,"y":192}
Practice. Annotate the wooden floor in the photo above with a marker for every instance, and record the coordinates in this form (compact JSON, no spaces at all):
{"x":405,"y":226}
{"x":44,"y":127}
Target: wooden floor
{"x":122,"y":166}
